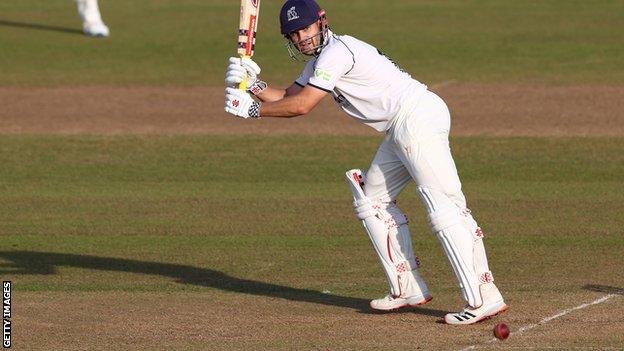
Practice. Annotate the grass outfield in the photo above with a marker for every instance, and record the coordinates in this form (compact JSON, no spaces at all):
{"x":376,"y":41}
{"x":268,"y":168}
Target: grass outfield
{"x":210,"y":201}
{"x":270,"y":217}
{"x":216,"y":215}
{"x":187,"y":42}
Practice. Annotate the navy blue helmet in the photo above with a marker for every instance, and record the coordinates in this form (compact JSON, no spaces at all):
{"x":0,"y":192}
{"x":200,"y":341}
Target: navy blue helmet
{"x":297,"y":14}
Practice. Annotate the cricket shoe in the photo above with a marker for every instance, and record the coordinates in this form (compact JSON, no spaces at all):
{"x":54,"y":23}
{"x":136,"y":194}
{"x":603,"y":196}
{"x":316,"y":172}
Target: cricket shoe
{"x":95,"y":29}
{"x":493,"y":304}
{"x":391,"y":303}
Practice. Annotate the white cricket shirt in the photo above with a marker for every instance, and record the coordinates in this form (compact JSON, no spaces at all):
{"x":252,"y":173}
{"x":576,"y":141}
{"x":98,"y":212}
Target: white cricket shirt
{"x":364,"y":82}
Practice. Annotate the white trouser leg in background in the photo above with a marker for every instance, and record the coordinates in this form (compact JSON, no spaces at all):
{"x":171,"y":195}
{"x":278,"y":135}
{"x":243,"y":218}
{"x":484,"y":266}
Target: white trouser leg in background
{"x":387,"y":228}
{"x":92,"y":24}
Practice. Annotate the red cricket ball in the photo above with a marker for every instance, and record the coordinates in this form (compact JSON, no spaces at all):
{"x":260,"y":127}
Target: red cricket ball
{"x":501,"y":331}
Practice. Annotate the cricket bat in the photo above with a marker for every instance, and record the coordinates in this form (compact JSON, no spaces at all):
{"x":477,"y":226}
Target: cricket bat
{"x":248,"y":24}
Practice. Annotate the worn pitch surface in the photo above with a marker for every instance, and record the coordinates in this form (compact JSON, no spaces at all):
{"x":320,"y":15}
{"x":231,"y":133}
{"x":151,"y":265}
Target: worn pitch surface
{"x":477,"y":109}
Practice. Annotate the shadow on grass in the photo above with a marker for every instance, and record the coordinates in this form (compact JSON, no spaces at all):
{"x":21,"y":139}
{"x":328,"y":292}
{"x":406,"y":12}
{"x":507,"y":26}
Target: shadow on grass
{"x":37,"y":26}
{"x":29,"y":262}
{"x":605,"y":289}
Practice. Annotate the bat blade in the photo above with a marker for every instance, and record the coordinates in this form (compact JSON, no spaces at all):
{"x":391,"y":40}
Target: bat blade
{"x":247,"y":28}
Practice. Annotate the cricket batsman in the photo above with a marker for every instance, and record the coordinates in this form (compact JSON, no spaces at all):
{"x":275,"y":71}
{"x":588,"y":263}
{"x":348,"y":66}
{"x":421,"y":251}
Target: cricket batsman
{"x":373,"y":90}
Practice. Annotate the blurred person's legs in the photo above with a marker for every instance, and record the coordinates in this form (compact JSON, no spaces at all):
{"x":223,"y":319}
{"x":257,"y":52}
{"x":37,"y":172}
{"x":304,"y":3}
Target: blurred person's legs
{"x":92,"y":24}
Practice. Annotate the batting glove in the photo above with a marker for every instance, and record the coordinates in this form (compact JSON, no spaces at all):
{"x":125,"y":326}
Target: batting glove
{"x":241,"y":104}
{"x":241,"y":68}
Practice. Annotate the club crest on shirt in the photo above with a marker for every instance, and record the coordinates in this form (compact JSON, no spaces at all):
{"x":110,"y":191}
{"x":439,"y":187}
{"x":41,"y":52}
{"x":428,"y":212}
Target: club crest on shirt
{"x":292,"y":14}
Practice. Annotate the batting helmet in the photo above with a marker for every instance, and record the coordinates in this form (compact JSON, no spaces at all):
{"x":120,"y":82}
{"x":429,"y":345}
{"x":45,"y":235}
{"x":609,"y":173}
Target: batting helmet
{"x":297,"y":14}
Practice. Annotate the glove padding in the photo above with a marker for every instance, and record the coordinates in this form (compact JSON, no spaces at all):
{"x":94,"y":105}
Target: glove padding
{"x":239,"y":69}
{"x":241,"y":104}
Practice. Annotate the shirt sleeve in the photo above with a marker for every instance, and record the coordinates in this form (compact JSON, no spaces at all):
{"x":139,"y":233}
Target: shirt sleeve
{"x":333,"y":63}
{"x":308,"y":71}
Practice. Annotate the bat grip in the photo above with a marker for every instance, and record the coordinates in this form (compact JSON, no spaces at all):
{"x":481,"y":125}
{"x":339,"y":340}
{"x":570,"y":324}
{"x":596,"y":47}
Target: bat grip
{"x":243,"y":85}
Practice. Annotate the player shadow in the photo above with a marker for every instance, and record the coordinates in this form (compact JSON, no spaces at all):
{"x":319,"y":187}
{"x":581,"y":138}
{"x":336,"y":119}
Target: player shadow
{"x":605,"y":289}
{"x":37,"y":26}
{"x":29,"y":262}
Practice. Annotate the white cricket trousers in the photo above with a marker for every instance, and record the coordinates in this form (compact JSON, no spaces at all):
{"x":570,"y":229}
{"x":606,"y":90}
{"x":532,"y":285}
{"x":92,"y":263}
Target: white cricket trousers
{"x":416,"y":147}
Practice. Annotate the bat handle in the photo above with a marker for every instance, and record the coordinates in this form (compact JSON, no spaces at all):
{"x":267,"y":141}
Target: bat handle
{"x":243,"y":85}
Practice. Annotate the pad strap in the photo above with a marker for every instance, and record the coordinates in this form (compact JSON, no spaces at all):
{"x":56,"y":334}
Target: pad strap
{"x":364,"y":208}
{"x":444,"y":218}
